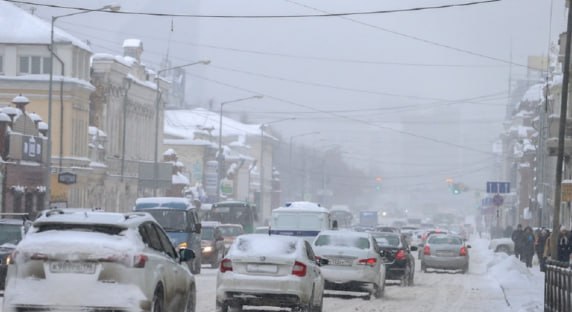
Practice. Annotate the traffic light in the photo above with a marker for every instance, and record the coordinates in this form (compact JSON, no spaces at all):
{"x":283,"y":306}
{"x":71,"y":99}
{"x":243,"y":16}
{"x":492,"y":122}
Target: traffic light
{"x":378,"y":184}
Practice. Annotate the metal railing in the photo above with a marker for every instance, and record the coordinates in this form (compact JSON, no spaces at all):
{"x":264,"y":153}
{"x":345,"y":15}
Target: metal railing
{"x":557,"y":287}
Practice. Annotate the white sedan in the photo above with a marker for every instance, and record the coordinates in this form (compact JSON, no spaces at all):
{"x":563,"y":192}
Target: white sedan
{"x":354,"y":262}
{"x":264,"y":270}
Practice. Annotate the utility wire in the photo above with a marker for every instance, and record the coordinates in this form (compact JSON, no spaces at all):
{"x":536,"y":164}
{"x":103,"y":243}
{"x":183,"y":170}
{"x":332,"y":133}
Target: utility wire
{"x":285,"y":55}
{"x":344,"y":117}
{"x":435,"y":43}
{"x":415,"y":9}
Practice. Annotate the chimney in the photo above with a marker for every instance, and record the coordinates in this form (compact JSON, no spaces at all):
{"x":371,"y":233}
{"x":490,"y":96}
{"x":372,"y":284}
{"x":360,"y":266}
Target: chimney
{"x":133,"y":48}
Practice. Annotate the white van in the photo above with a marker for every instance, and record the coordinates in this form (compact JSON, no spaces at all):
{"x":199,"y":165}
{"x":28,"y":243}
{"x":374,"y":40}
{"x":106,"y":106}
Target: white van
{"x":301,"y":219}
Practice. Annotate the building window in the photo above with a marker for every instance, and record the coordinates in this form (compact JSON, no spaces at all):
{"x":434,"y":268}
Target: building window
{"x":35,"y":65}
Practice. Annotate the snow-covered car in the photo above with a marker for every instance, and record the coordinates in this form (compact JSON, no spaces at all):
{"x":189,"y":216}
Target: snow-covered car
{"x":108,"y":261}
{"x":446,"y":252}
{"x":505,"y":245}
{"x":354,"y":262}
{"x":270,"y":270}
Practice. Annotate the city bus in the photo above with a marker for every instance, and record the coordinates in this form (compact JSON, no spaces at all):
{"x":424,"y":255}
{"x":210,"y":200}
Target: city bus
{"x":237,"y":212}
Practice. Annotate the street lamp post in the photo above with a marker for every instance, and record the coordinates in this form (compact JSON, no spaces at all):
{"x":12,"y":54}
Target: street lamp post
{"x":157,"y":108}
{"x":290,"y":157}
{"x":220,"y":156}
{"x":262,"y":126}
{"x":109,"y":8}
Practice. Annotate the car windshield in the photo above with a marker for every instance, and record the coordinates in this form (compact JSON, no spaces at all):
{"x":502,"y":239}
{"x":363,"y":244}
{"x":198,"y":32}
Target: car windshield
{"x":231,"y":230}
{"x":10,"y":233}
{"x":342,"y":241}
{"x":445,"y":240}
{"x":56,"y":226}
{"x":170,"y":220}
{"x":207,"y":233}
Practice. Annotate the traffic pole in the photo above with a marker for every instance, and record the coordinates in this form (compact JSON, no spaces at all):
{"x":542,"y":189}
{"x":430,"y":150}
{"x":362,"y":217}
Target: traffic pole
{"x":561,"y":134}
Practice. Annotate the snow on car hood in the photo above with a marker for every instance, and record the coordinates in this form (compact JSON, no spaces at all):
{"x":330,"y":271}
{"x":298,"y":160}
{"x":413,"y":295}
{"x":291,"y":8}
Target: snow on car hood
{"x":52,"y":243}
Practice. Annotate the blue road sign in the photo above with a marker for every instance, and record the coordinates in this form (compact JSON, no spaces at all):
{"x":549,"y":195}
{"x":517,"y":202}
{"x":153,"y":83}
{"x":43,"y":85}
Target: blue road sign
{"x":498,"y":187}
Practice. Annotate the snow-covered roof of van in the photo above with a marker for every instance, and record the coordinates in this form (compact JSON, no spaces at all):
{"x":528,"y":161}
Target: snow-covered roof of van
{"x":162,"y":200}
{"x":302,"y":206}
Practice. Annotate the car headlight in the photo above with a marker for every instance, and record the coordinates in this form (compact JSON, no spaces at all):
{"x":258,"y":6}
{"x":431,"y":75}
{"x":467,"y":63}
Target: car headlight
{"x":183,"y":245}
{"x":208,"y":249}
{"x":9,"y":260}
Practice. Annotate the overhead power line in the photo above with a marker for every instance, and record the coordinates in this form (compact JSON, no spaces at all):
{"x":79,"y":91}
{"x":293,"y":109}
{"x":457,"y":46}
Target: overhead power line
{"x":435,"y":43}
{"x":415,"y":9}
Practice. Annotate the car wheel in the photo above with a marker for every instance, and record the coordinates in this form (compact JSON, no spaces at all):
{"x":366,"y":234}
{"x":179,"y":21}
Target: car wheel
{"x":465,"y":269}
{"x":318,"y":308}
{"x":305,"y":307}
{"x":158,"y":303}
{"x":423,"y":267}
{"x":378,"y":291}
{"x":411,"y":278}
{"x":191,"y":300}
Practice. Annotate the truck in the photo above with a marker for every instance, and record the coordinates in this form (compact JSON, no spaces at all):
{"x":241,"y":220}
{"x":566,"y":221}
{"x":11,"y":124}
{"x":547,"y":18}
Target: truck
{"x":368,"y":218}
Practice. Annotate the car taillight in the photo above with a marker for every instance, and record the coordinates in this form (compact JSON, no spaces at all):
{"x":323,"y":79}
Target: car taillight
{"x":400,"y":255}
{"x":183,"y":245}
{"x":139,"y":261}
{"x":225,"y":265}
{"x":427,"y":250}
{"x":299,"y":269}
{"x":371,"y":261}
{"x":463,"y":252}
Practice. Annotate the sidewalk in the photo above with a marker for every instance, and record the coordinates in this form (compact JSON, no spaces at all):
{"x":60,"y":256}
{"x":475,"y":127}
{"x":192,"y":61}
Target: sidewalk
{"x":522,"y":287}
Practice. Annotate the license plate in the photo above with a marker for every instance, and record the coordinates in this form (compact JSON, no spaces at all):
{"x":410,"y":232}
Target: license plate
{"x":72,"y":267}
{"x":340,"y":261}
{"x":446,"y":254}
{"x":262,"y":268}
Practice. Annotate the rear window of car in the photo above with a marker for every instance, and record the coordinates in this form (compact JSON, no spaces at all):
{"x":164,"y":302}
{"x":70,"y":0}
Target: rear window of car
{"x":445,"y":240}
{"x":105,"y":229}
{"x":387,"y":240}
{"x":342,"y":241}
{"x":257,"y":244}
{"x":10,"y":233}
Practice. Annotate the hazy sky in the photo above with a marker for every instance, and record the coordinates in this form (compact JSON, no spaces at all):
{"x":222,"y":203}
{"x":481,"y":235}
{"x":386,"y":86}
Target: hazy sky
{"x":358,"y":80}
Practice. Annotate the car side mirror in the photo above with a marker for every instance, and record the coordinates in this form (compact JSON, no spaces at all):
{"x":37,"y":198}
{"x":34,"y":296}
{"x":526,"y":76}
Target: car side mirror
{"x":198,"y":228}
{"x":413,"y":248}
{"x":186,"y":255}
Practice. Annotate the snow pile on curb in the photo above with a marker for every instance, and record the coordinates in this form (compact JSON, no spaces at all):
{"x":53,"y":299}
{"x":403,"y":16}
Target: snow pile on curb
{"x":523,"y":287}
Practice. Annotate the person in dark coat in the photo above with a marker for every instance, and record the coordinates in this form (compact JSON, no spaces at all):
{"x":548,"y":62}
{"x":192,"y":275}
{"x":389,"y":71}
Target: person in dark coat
{"x":564,"y":245}
{"x":541,"y":240}
{"x":517,"y":236}
{"x":527,"y":247}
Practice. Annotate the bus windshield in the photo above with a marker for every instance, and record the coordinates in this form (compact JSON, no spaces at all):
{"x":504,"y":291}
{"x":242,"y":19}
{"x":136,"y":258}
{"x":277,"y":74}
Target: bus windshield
{"x":242,"y":214}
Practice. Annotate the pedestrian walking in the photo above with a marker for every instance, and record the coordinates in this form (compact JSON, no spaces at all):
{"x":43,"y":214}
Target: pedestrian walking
{"x":564,"y":245}
{"x":527,"y":247}
{"x":517,"y":236}
{"x":541,"y":240}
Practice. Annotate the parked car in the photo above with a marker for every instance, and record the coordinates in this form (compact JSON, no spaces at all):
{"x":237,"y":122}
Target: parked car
{"x":447,"y":252}
{"x":212,"y":244}
{"x":398,"y":260}
{"x":354,"y":262}
{"x":230,"y":232}
{"x":270,"y":270}
{"x":505,"y":245}
{"x":108,"y":261}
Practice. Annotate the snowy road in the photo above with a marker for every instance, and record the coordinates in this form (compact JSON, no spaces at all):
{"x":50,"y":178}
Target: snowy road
{"x":479,"y":290}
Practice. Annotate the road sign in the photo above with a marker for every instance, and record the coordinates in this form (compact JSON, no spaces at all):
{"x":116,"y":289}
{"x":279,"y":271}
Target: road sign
{"x":498,"y":187}
{"x":498,"y":200}
{"x":567,"y":191}
{"x":67,"y":178}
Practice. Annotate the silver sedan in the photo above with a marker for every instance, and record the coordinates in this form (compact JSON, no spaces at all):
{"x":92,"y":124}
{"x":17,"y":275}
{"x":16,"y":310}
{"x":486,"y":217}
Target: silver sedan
{"x":446,"y":252}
